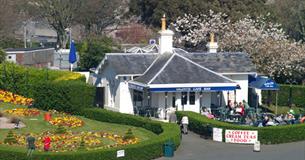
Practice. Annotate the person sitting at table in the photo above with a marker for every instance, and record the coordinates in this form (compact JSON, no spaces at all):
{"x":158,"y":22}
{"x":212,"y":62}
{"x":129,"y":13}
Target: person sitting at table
{"x":207,"y":113}
{"x":266,"y":120}
{"x":271,"y":122}
{"x":289,"y":118}
{"x":240,"y":109}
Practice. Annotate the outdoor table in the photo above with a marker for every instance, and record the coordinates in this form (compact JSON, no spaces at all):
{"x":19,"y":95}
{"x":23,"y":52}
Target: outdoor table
{"x":235,"y":116}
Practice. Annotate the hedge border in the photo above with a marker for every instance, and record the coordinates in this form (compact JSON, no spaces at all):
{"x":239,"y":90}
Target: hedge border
{"x":145,"y":150}
{"x":298,"y":95}
{"x":266,"y":135}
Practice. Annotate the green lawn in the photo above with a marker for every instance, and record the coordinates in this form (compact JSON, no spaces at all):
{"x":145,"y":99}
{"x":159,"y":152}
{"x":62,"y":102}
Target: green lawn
{"x":39,"y":125}
{"x":285,"y":109}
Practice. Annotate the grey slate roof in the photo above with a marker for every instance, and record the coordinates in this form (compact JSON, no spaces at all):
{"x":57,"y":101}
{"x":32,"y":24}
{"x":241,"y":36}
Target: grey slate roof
{"x":224,"y":62}
{"x":154,"y":68}
{"x":176,"y":69}
{"x":25,"y":49}
{"x":183,"y":67}
{"x":135,"y":63}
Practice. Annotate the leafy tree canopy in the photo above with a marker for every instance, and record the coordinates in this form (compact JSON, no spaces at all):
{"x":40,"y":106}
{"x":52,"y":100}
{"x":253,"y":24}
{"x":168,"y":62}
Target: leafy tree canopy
{"x":92,"y":51}
{"x":150,"y":11}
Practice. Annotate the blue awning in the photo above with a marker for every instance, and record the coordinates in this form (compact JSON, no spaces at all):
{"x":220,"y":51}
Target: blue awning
{"x":263,"y":83}
{"x":194,"y":89}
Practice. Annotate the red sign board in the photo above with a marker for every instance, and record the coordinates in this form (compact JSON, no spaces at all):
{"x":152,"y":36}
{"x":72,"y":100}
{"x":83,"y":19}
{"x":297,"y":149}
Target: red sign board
{"x":241,"y":136}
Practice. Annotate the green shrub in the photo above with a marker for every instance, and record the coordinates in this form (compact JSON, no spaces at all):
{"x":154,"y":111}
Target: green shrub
{"x":128,"y":135}
{"x":115,"y":117}
{"x":266,"y":135}
{"x":2,"y":55}
{"x":145,"y":150}
{"x":298,"y":95}
{"x":60,"y":90}
{"x":82,"y":144}
{"x":60,"y":129}
{"x":67,"y":96}
{"x":10,"y":138}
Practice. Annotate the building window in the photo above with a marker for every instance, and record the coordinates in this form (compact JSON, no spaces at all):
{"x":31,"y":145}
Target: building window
{"x":137,"y":98}
{"x":174,"y":100}
{"x":183,"y":98}
{"x":192,"y":97}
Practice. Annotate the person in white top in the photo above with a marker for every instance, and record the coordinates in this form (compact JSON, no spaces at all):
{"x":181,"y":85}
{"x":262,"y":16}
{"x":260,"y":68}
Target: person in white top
{"x":184,"y":122}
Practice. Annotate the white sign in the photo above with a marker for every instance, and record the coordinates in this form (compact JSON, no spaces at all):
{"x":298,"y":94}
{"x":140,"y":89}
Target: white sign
{"x":120,"y":153}
{"x":241,"y":136}
{"x":217,"y":134}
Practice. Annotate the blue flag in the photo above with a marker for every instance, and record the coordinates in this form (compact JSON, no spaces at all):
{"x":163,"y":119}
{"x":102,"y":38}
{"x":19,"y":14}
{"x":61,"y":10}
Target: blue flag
{"x":72,"y":54}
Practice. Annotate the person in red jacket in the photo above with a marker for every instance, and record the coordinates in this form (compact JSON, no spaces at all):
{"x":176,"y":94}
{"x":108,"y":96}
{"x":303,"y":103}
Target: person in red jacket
{"x":47,"y":143}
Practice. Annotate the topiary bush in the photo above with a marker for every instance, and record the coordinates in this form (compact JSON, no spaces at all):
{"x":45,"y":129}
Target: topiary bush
{"x":60,"y":130}
{"x":266,"y":135}
{"x":10,"y":138}
{"x":128,"y":135}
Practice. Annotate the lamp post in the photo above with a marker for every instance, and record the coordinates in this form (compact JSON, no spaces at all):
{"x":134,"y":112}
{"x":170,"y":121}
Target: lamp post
{"x":58,"y":51}
{"x":165,"y":106}
{"x":290,"y":82}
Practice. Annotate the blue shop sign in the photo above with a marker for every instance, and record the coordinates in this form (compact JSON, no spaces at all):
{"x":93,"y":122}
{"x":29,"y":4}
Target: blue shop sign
{"x":193,"y":89}
{"x":135,"y":87}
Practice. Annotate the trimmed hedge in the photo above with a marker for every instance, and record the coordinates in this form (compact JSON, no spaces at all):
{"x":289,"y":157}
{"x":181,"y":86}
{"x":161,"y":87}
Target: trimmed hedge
{"x":60,"y":90}
{"x":67,"y":96}
{"x":298,"y":95}
{"x":145,"y":150}
{"x":266,"y":135}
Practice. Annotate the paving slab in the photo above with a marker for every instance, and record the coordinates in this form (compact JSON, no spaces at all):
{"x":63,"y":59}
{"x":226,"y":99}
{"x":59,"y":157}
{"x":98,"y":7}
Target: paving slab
{"x":193,"y":147}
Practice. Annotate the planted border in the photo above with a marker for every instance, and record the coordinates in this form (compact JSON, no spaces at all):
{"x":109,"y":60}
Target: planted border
{"x":266,"y":135}
{"x":145,"y":150}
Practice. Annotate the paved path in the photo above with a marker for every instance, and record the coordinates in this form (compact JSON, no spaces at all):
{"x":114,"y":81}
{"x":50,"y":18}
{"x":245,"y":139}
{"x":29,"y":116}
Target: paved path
{"x":195,"y":148}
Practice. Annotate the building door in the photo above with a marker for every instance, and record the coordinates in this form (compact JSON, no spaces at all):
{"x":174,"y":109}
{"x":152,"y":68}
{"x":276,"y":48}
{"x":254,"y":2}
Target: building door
{"x":100,"y":96}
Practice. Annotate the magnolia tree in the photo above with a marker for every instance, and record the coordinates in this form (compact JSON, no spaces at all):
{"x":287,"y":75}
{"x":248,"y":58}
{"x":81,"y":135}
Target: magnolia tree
{"x":266,"y":43}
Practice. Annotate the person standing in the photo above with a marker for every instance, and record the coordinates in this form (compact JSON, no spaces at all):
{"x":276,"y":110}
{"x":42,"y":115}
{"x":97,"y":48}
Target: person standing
{"x":184,"y":122}
{"x":47,"y":143}
{"x":30,"y":144}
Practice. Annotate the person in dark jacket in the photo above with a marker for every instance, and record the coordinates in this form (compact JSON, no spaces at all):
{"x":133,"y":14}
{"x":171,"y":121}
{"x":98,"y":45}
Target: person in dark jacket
{"x":30,"y":140}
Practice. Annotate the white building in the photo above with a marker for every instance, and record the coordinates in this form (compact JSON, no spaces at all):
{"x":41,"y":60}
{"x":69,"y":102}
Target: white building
{"x":171,"y":77}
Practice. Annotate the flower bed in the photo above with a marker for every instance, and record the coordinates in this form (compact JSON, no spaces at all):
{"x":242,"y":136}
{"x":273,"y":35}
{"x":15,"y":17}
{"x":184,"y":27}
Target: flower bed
{"x":68,"y":121}
{"x":26,"y":112}
{"x":9,"y":97}
{"x":71,"y":141}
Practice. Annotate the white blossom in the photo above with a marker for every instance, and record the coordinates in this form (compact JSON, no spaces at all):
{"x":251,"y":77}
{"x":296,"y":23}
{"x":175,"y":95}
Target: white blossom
{"x":266,"y":43}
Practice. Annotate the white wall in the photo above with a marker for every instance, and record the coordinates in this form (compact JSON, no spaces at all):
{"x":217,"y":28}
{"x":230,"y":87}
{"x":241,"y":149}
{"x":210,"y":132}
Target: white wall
{"x":111,"y":85}
{"x":241,"y":94}
{"x":86,"y":74}
{"x":125,"y":98}
{"x":259,"y":93}
{"x":11,"y":58}
{"x":206,"y":99}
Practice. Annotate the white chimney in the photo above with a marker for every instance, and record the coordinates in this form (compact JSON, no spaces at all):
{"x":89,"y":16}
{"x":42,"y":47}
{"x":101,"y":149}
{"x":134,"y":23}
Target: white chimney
{"x":212,"y":45}
{"x":166,"y":38}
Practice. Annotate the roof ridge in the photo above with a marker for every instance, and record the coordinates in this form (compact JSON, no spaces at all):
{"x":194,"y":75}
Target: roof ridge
{"x":113,"y":54}
{"x":204,"y":68}
{"x":151,"y":65}
{"x":159,"y":72}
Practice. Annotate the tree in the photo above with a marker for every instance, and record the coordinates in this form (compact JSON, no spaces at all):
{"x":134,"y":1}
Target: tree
{"x":92,"y":51}
{"x":267,"y":44}
{"x":96,"y":15}
{"x":60,"y":14}
{"x":293,"y":17}
{"x":150,"y":11}
{"x":10,"y":18}
{"x":2,"y":55}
